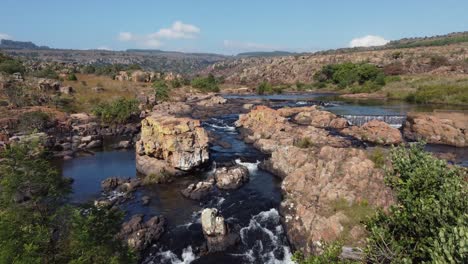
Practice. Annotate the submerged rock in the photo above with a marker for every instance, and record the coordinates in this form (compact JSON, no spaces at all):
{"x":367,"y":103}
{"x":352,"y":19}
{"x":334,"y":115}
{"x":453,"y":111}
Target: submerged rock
{"x":231,"y":177}
{"x":197,"y":191}
{"x":171,"y":145}
{"x":216,"y":232}
{"x":139,"y":234}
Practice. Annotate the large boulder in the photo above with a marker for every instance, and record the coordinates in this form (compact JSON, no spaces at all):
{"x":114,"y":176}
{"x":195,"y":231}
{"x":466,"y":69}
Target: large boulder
{"x":231,"y":177}
{"x":171,"y":145}
{"x":321,"y":119}
{"x":140,"y":76}
{"x":139,"y":234}
{"x":216,"y":232}
{"x":375,"y":131}
{"x":438,"y":128}
{"x":48,"y":85}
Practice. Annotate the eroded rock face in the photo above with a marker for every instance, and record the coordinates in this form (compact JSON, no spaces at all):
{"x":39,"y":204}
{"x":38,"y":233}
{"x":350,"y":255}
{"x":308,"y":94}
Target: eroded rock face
{"x":317,"y":178}
{"x":438,"y":129}
{"x":216,"y":232}
{"x":231,"y":177}
{"x":171,"y":145}
{"x":139,"y":234}
{"x":375,"y":131}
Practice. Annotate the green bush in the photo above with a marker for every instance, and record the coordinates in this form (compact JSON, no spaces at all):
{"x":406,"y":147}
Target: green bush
{"x":347,"y":74}
{"x":176,"y":83}
{"x":161,"y":90}
{"x":47,"y":72}
{"x":331,"y":255}
{"x":117,"y":111}
{"x":428,"y":224}
{"x":206,"y":84}
{"x":11,"y":66}
{"x":72,"y":77}
{"x":264,"y":88}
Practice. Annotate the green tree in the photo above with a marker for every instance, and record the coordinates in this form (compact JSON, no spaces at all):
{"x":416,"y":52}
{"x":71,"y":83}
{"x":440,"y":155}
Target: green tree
{"x":264,"y":88}
{"x":117,"y":111}
{"x":161,"y":90}
{"x":72,"y":77}
{"x":206,"y":84}
{"x":11,"y":66}
{"x":428,"y":224}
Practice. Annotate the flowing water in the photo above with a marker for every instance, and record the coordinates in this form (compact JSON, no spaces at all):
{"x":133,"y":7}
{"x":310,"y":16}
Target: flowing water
{"x":253,"y":207}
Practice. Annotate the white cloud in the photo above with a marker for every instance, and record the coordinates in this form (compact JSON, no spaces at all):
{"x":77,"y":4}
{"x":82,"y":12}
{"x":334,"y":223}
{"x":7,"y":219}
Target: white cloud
{"x":125,"y":36}
{"x":248,"y":46}
{"x":5,"y":36}
{"x":178,"y":30}
{"x":368,"y":41}
{"x":104,"y":48}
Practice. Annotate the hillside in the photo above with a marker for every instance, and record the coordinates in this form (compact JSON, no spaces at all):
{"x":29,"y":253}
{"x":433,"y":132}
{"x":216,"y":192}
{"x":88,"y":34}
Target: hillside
{"x":445,"y":59}
{"x":155,"y":60}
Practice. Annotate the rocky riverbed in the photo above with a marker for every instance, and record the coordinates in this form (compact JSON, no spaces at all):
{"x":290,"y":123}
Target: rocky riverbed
{"x":280,"y":177}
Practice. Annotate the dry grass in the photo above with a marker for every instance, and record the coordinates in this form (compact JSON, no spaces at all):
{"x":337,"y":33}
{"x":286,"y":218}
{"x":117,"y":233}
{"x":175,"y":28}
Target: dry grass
{"x":434,"y":88}
{"x":85,"y":98}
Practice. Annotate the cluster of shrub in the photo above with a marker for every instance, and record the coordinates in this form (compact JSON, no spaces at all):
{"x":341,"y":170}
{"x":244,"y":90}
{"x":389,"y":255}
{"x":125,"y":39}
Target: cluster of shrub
{"x":359,"y":77}
{"x":38,"y":226}
{"x":10,"y":65}
{"x":427,"y":224}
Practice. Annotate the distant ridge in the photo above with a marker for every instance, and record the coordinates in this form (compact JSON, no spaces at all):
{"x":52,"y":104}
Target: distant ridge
{"x":12,"y":44}
{"x":267,"y":53}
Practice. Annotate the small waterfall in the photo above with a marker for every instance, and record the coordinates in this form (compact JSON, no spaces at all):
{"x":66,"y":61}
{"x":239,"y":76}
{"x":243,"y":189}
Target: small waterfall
{"x":395,"y":121}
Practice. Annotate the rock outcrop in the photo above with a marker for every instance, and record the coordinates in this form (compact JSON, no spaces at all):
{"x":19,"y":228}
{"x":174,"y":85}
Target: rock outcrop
{"x":231,"y":177}
{"x":269,"y":129}
{"x":324,"y":177}
{"x":436,"y":128}
{"x":171,"y":145}
{"x":139,"y":234}
{"x":217,"y":234}
{"x":375,"y":131}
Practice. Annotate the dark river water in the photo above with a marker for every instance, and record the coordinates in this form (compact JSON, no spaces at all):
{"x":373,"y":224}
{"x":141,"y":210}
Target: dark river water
{"x":253,"y":207}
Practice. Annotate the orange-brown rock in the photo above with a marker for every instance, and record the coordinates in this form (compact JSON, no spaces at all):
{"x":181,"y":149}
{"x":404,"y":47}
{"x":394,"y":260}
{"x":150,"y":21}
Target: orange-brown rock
{"x":375,"y":131}
{"x":314,"y":180}
{"x":171,"y":145}
{"x":321,"y":119}
{"x":438,"y":128}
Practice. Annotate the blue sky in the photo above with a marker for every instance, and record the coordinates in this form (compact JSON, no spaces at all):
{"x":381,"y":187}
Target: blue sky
{"x":227,"y":27}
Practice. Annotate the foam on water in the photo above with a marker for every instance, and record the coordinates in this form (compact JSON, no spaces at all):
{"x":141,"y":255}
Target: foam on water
{"x":168,"y":257}
{"x":253,"y":167}
{"x":264,"y":238}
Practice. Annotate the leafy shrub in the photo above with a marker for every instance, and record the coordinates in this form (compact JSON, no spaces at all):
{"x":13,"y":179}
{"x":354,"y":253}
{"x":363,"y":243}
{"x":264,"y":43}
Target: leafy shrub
{"x":47,"y":72}
{"x":161,"y":90}
{"x":331,"y":255}
{"x":11,"y":66}
{"x":117,"y":111}
{"x":35,"y":226}
{"x":347,"y":74}
{"x":428,"y":223}
{"x":438,"y":61}
{"x":72,"y":77}
{"x":176,"y":83}
{"x":264,"y":88}
{"x":378,"y":157}
{"x":206,"y":84}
